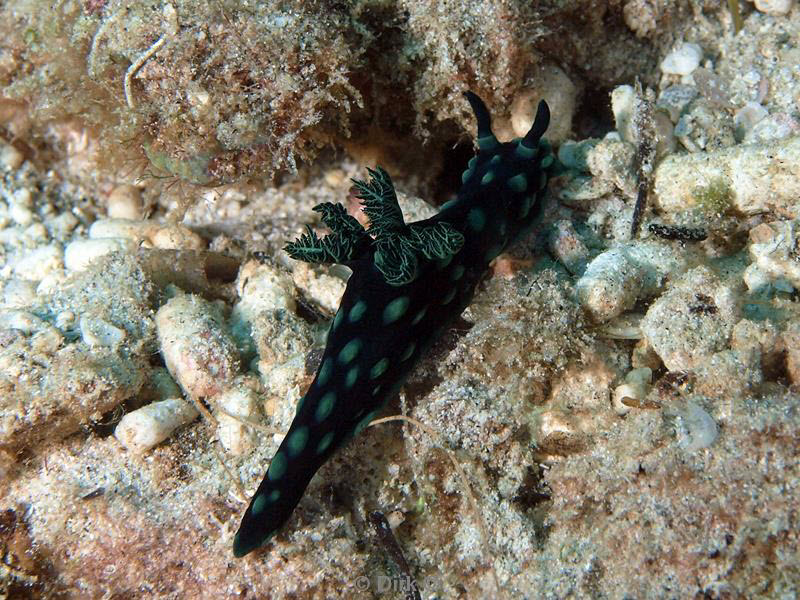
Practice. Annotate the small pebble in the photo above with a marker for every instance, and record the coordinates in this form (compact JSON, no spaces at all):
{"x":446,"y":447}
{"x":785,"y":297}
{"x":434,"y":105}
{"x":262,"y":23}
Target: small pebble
{"x":20,"y":214}
{"x":18,"y":293}
{"x":574,"y":155}
{"x":675,"y":98}
{"x":10,"y":157}
{"x":746,"y":118}
{"x":125,"y":202}
{"x":47,"y":341}
{"x":177,"y":237}
{"x":79,"y":254}
{"x":610,"y":285}
{"x":683,"y":60}
{"x":97,"y":333}
{"x":21,"y":320}
{"x":144,"y":428}
{"x":38,"y":263}
{"x":568,"y":247}
{"x":776,"y":8}
{"x":120,"y":228}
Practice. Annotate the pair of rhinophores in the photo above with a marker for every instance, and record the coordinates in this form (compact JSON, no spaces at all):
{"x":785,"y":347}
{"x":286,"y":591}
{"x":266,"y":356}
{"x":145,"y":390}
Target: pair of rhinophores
{"x":409,"y":281}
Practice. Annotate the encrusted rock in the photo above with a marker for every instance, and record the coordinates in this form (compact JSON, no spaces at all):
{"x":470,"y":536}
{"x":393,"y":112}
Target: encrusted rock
{"x":691,"y":321}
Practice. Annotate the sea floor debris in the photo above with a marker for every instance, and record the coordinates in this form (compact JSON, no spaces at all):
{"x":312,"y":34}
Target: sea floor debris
{"x":624,"y":409}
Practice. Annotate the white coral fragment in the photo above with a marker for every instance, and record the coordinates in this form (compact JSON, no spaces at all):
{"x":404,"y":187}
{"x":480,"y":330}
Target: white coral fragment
{"x":198,"y":349}
{"x":146,"y":427}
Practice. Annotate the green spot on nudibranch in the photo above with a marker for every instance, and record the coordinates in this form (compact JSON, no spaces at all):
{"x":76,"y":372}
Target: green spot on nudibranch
{"x":325,"y":372}
{"x":297,"y":441}
{"x":358,"y":310}
{"x":448,"y":204}
{"x":547,"y":161}
{"x":352,"y":376}
{"x":350,"y":351}
{"x":376,"y":390}
{"x":379,"y":368}
{"x":449,"y":297}
{"x":524,"y":152}
{"x":487,"y":142}
{"x":487,"y":178}
{"x":274,"y":495}
{"x":395,"y":309}
{"x":495,"y":160}
{"x":518,"y":183}
{"x":364,"y":423}
{"x":419,"y":316}
{"x":476,"y":219}
{"x":337,"y":319}
{"x":325,"y":407}
{"x":259,"y":504}
{"x":408,"y":351}
{"x":525,"y":207}
{"x":325,"y":442}
{"x":277,"y":467}
{"x":472,"y":162}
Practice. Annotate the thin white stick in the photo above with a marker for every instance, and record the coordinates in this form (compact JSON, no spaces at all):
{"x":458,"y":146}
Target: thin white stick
{"x":137,"y":64}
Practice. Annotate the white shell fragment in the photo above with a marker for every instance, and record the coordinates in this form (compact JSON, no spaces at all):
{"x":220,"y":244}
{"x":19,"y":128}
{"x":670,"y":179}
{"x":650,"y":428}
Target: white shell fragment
{"x":144,"y":428}
{"x":683,"y":60}
{"x":636,"y":387}
{"x":695,"y":428}
{"x":622,"y":104}
{"x":197,"y":347}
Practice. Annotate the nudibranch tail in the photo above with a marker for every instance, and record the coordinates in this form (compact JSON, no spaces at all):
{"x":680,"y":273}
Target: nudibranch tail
{"x":409,"y":281}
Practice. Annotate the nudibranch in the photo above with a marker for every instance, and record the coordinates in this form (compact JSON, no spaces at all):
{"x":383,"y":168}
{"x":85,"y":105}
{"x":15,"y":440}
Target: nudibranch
{"x":408,"y":282}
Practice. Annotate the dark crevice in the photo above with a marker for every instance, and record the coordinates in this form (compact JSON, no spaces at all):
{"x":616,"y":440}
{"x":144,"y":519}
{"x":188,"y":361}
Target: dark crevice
{"x":454,"y":160}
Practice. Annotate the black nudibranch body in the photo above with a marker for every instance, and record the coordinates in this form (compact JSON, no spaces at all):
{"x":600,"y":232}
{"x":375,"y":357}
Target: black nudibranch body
{"x":409,"y":281}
